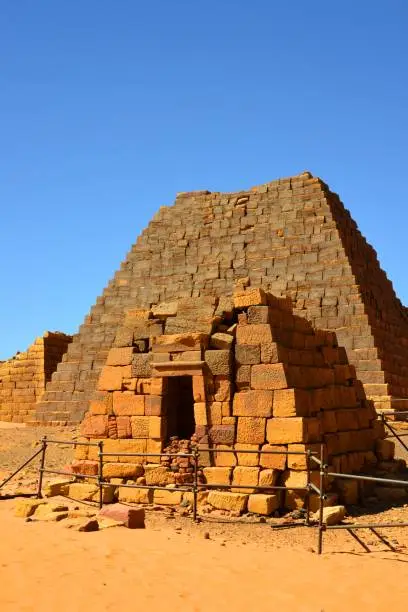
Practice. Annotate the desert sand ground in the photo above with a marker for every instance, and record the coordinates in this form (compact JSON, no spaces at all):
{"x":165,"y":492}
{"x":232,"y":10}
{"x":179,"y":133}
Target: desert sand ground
{"x":177,"y":565}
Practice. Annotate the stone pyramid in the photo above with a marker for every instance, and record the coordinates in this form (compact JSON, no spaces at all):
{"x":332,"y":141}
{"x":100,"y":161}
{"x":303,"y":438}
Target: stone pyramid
{"x":293,"y":237}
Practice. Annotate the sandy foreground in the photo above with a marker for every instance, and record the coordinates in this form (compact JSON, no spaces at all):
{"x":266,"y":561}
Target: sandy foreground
{"x":170,"y":565}
{"x":45,"y":567}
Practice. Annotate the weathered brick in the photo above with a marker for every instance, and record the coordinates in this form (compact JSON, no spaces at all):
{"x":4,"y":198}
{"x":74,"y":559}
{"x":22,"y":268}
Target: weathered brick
{"x":218,"y":362}
{"x":251,"y":430}
{"x":120,"y":356}
{"x":263,"y":504}
{"x":243,"y":476}
{"x":248,"y":354}
{"x":256,"y":403}
{"x":269,"y":376}
{"x":128,"y":404}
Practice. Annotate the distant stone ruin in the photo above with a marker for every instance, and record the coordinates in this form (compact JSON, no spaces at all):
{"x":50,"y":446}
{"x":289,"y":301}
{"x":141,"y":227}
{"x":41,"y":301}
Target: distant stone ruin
{"x":242,"y":374}
{"x":24,"y":376}
{"x":291,"y":237}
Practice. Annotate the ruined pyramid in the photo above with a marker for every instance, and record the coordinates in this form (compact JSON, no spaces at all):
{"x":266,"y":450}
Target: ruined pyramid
{"x":292,"y":237}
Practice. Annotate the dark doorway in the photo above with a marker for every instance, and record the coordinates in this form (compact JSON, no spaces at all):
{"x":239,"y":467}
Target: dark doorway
{"x":180,"y":407}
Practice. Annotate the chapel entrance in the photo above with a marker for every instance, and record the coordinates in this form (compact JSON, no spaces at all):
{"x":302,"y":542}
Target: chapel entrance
{"x":180,"y":407}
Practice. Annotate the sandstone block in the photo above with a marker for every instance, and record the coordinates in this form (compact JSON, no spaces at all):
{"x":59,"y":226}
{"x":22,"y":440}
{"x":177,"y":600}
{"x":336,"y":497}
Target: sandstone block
{"x":263,"y":504}
{"x":98,"y":407}
{"x":85,"y":525}
{"x":123,"y":427}
{"x":292,"y":478}
{"x":124,"y":446}
{"x":135,"y":496}
{"x":243,"y":377}
{"x":329,"y":421}
{"x":222,"y":389}
{"x":291,"y":402}
{"x":221,"y":341}
{"x":158,"y":475}
{"x":164,"y":310}
{"x":243,"y":476}
{"x":269,"y":376}
{"x":214,"y":413}
{"x":227,"y":459}
{"x":249,"y":297}
{"x":248,"y":354}
{"x":217,"y":475}
{"x":270,"y":352}
{"x":153,"y":405}
{"x":245,"y":458}
{"x":235,"y":502}
{"x":254,"y":334}
{"x":94,"y":426}
{"x":276,"y":459}
{"x":122,"y":470}
{"x":218,"y":362}
{"x":222,"y":434}
{"x":120,"y":356}
{"x":90,"y":492}
{"x":88,"y":468}
{"x":253,"y":403}
{"x":133,"y":518}
{"x":142,"y":365}
{"x":268,"y":478}
{"x":251,"y":430}
{"x":299,"y":462}
{"x":179,"y":342}
{"x":200,"y":413}
{"x":140,"y":426}
{"x":198,"y":389}
{"x":156,"y":427}
{"x":110,"y":379}
{"x":56,"y":486}
{"x":258,"y":314}
{"x":128,"y":404}
{"x":154,"y":446}
{"x":168,"y":497}
{"x":26,"y":507}
{"x":158,"y":386}
{"x":333,"y":515}
{"x":286,"y":431}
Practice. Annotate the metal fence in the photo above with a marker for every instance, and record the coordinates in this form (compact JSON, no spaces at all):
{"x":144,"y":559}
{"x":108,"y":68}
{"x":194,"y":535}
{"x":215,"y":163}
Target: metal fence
{"x":325,"y":474}
{"x":318,"y":459}
{"x":194,"y":487}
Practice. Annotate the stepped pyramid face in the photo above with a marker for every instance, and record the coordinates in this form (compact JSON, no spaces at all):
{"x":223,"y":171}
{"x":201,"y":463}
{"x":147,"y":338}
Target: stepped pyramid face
{"x":240,"y":377}
{"x":293,"y":238}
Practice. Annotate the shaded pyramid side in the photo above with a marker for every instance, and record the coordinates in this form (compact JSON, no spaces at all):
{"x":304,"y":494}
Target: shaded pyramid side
{"x":380,"y":357}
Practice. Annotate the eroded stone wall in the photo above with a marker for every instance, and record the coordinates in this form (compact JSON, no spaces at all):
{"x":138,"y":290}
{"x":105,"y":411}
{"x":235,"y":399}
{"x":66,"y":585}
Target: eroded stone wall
{"x":263,"y":379}
{"x":24,"y":376}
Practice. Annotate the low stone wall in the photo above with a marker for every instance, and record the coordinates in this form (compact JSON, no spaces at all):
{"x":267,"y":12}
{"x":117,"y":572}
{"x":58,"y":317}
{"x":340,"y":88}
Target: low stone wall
{"x":24,"y":376}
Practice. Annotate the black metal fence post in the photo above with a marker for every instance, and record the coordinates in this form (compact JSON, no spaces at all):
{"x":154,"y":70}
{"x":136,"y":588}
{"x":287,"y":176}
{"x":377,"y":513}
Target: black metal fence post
{"x":100,"y":473}
{"x":309,"y":489}
{"x":42,"y":463}
{"x":195,"y":485}
{"x":321,"y":499}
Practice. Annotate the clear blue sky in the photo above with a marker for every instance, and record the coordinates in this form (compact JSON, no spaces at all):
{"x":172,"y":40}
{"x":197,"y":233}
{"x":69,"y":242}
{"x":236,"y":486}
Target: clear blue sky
{"x":108,"y":108}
